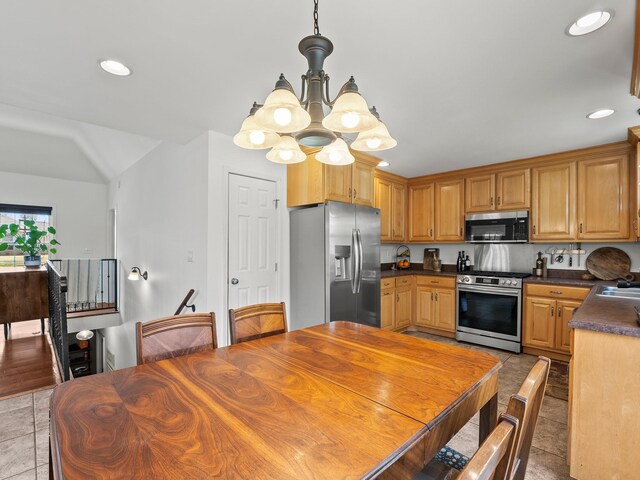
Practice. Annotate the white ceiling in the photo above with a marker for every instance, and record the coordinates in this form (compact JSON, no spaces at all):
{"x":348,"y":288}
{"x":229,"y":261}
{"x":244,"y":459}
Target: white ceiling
{"x":36,"y":154}
{"x":458,"y":83}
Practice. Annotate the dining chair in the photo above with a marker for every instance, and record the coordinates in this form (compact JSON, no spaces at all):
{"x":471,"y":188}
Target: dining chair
{"x":524,"y":406}
{"x":175,"y":336}
{"x":257,"y":321}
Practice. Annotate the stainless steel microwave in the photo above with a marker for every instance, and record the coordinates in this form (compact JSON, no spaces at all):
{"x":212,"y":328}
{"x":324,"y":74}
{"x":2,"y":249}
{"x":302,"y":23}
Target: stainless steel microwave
{"x":500,"y":227}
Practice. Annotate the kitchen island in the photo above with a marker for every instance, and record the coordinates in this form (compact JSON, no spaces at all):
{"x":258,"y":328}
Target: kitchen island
{"x":604,"y":414}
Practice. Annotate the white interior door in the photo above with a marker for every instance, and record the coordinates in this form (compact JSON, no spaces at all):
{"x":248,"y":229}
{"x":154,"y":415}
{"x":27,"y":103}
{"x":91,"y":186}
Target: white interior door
{"x":253,"y":239}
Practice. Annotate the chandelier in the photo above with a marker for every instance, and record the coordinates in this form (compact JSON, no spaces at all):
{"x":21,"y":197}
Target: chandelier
{"x":284,"y":121}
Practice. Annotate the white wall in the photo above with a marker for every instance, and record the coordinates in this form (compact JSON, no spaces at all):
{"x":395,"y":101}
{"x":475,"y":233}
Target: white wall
{"x":79,"y":210}
{"x":161,"y":204}
{"x":172,"y":201}
{"x":449,"y":252}
{"x":226,"y":158}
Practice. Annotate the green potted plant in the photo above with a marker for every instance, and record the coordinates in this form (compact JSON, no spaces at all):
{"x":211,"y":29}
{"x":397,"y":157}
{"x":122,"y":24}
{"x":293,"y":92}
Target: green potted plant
{"x":32,"y":241}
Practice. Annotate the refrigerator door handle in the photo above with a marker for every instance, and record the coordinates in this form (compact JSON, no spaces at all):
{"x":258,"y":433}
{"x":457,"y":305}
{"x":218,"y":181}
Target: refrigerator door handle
{"x":354,"y":257}
{"x":360,"y":260}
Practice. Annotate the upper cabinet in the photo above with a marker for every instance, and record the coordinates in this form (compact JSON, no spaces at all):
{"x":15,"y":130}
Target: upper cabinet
{"x":421,"y":212}
{"x":553,"y":198}
{"x":508,"y":190}
{"x":587,"y":199}
{"x":480,"y":193}
{"x":513,"y":190}
{"x":603,"y":198}
{"x":449,"y":213}
{"x":390,"y":197}
{"x":311,"y":182}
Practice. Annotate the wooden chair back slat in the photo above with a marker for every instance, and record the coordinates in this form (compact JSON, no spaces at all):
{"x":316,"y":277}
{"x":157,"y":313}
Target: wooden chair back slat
{"x":175,"y":336}
{"x":491,"y":460}
{"x":257,"y":321}
{"x":525,"y":406}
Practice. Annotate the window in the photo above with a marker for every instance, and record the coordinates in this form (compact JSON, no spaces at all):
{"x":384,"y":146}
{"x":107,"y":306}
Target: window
{"x":12,"y":257}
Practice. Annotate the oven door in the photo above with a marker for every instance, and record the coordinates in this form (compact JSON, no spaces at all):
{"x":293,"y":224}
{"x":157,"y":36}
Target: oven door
{"x":489,"y":311}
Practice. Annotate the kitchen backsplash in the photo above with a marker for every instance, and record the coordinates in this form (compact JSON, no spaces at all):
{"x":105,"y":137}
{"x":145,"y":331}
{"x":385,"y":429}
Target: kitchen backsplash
{"x":522,"y":255}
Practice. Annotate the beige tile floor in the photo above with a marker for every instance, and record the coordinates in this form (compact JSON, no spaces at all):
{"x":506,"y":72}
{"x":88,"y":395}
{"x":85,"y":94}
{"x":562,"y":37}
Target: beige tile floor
{"x":548,"y":455}
{"x":24,"y":436}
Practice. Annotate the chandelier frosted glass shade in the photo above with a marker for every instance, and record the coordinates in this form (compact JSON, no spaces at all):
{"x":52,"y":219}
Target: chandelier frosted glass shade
{"x":336,"y":153}
{"x":286,"y":151}
{"x":350,"y":114}
{"x":253,"y":137}
{"x":282,"y":113}
{"x":373,"y":140}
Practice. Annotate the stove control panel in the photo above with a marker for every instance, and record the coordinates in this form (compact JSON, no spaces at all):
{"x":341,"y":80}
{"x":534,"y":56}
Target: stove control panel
{"x":489,"y":281}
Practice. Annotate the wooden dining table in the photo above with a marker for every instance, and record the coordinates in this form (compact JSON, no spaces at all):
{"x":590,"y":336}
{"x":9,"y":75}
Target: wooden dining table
{"x":334,"y":401}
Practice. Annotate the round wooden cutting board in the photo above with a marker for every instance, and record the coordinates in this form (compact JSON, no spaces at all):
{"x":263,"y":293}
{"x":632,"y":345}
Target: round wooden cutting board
{"x":609,"y":263}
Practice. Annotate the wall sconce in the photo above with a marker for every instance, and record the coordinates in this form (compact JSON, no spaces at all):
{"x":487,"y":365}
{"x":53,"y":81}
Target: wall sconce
{"x":136,"y":273}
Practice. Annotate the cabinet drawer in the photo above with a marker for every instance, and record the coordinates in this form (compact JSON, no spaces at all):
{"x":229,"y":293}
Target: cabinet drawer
{"x":442,"y":282}
{"x":402,"y":281}
{"x":386,"y":292}
{"x":557,"y":291}
{"x":387,"y":283}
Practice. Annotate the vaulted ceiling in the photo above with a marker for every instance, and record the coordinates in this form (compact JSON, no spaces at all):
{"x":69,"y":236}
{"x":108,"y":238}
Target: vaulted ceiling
{"x":458,"y":84}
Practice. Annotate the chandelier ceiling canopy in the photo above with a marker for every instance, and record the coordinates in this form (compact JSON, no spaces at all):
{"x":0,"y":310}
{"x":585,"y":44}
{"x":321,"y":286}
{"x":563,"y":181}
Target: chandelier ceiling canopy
{"x":284,"y":121}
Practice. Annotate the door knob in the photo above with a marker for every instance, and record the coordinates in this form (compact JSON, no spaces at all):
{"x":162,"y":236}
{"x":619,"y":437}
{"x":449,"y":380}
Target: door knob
{"x":234,"y":281}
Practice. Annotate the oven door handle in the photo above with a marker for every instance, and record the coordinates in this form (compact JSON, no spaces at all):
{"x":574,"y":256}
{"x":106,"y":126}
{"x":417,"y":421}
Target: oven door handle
{"x":492,"y":290}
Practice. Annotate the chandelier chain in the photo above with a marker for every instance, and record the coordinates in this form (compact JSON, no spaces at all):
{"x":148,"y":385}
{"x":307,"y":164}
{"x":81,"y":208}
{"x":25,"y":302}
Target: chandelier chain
{"x":316,"y":29}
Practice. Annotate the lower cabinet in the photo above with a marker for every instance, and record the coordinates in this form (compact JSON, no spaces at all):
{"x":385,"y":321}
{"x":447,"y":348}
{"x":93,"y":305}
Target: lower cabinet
{"x":436,"y":303}
{"x":396,"y":301}
{"x":428,"y":302}
{"x":547,"y":312}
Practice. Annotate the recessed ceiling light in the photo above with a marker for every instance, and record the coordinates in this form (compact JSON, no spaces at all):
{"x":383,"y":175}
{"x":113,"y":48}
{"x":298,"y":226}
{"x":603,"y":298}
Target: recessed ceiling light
{"x":589,"y":23}
{"x":115,"y":68}
{"x":605,"y":112}
{"x":383,"y":163}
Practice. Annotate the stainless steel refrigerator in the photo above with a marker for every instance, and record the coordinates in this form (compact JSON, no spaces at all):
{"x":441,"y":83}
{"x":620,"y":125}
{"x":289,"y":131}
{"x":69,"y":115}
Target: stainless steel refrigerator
{"x":335,"y":265}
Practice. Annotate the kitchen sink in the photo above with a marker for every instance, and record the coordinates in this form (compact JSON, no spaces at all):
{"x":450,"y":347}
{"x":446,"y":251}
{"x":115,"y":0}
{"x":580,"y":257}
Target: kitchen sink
{"x":608,"y":291}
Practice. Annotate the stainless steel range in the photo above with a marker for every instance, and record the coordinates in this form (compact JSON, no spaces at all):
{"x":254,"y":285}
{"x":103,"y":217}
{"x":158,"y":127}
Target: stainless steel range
{"x":489,"y":309}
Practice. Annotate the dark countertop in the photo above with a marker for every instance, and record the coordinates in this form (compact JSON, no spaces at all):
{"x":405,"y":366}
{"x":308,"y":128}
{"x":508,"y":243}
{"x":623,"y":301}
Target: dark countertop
{"x":607,"y":315}
{"x":409,"y":271}
{"x":569,"y":282}
{"x":599,"y":314}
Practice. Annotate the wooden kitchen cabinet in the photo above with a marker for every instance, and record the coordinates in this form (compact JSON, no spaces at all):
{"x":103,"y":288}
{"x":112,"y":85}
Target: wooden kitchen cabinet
{"x":449,"y":212}
{"x":513,"y":189}
{"x":312,"y":182}
{"x":387,"y":308}
{"x":396,"y":302}
{"x":479,"y":192}
{"x":603,"y":198}
{"x":390,"y":198}
{"x":547,"y":311}
{"x":403,"y":306}
{"x":436,"y":304}
{"x":553,"y":202}
{"x":509,"y":190}
{"x":421,"y":212}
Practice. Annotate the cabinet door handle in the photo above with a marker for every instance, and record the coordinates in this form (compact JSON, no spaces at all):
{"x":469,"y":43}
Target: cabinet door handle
{"x":436,"y":296}
{"x":555,"y":292}
{"x":349,"y":192}
{"x":354,"y":193}
{"x":432,"y":296}
{"x":460,"y":231}
{"x":387,"y":293}
{"x":534,"y":229}
{"x":491,"y":201}
{"x":431,"y":232}
{"x":559,"y":312}
{"x":552,"y":311}
{"x":580,"y":228}
{"x":498,"y":200}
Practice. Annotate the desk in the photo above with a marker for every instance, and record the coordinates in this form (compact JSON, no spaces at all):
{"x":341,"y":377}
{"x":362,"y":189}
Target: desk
{"x":339,"y":400}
